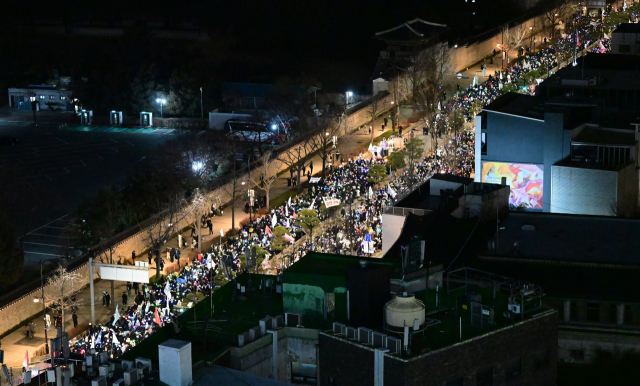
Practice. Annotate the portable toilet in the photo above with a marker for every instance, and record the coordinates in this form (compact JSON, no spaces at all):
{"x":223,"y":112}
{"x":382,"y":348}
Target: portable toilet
{"x":146,"y":119}
{"x":115,"y":118}
{"x":86,"y":117}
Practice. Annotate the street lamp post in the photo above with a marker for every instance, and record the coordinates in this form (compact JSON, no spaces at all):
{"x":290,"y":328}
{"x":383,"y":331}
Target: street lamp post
{"x":161,"y":102}
{"x":201,"y":105}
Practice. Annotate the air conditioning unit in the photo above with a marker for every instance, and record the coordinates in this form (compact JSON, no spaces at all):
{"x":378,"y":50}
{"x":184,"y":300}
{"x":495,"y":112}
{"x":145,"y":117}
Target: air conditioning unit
{"x":378,"y":340}
{"x":130,"y":377}
{"x":127,"y":365}
{"x":365,"y":335}
{"x":393,"y":345}
{"x":103,"y":371}
{"x":72,"y":368}
{"x":352,"y":333}
{"x":26,"y":377}
{"x":338,"y":328}
{"x":89,"y":360}
{"x":291,"y":320}
{"x":144,"y":362}
{"x":143,"y":371}
{"x":119,"y":382}
{"x":514,"y":308}
{"x":104,"y":357}
{"x":51,"y":376}
{"x":100,"y":381}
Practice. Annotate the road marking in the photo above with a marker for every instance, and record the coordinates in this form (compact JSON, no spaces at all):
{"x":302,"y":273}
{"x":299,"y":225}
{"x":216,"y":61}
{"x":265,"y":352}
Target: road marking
{"x":62,"y":140}
{"x":128,"y":142}
{"x":49,"y":226}
{"x":48,"y":245}
{"x":40,"y":253}
{"x":49,"y":223}
{"x":39,"y":234}
{"x":114,"y":149}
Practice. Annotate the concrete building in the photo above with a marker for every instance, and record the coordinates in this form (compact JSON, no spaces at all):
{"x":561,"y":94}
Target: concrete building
{"x":460,"y":197}
{"x":46,"y":97}
{"x":588,"y":266}
{"x":625,"y":39}
{"x":464,"y":332}
{"x":558,"y":155}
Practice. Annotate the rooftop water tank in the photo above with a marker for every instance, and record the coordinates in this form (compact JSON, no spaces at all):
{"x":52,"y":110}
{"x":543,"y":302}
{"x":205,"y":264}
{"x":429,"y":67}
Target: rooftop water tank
{"x":403,"y":310}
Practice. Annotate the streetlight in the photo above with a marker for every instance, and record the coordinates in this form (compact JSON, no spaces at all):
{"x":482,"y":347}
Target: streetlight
{"x":201,"y":105}
{"x":161,"y":102}
{"x":349,"y":93}
{"x":44,"y":311}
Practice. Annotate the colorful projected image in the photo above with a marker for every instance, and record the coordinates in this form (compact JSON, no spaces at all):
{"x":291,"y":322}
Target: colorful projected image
{"x":525,"y":180}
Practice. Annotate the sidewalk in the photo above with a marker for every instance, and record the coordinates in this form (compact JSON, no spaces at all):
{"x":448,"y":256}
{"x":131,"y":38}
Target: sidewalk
{"x":15,"y":345}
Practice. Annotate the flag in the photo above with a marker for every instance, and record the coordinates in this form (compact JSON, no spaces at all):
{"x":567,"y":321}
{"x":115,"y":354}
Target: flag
{"x":116,"y":316}
{"x":146,"y":309}
{"x":221,"y":233}
{"x":25,"y":362}
{"x":577,"y":40}
{"x":93,"y":341}
{"x":181,"y":280}
{"x":289,"y":202}
{"x":157,"y":318}
{"x":274,"y":221}
{"x":286,"y":210}
{"x":289,"y":238}
{"x":115,"y":339}
{"x":370,"y":192}
{"x":99,"y":340}
{"x":312,"y":204}
{"x":268,"y":231}
{"x":294,"y":215}
{"x":602,"y":49}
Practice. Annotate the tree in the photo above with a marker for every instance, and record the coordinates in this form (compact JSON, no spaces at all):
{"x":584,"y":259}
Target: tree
{"x":427,"y":97}
{"x":373,"y":111}
{"x":268,"y":172}
{"x":308,"y":219}
{"x":142,"y":90}
{"x":183,"y":97}
{"x":376,"y":173}
{"x":283,"y":105}
{"x":512,"y":40}
{"x":296,"y":158}
{"x":414,"y":148}
{"x":396,"y":160}
{"x":324,"y":141}
{"x":59,"y":294}
{"x":279,"y":243}
{"x":555,"y":14}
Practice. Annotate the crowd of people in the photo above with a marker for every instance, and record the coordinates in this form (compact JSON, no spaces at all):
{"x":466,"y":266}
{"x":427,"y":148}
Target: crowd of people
{"x":353,"y":227}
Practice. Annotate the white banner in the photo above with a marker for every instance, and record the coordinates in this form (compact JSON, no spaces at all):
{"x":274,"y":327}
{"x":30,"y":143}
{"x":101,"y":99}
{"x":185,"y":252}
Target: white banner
{"x":125,"y":273}
{"x":330,"y":201}
{"x":314,"y":180}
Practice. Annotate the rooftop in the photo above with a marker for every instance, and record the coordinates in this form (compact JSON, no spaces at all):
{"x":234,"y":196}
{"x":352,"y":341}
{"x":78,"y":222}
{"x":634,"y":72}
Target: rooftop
{"x":628,"y":28}
{"x":416,"y":29}
{"x":599,"y":71}
{"x":318,"y":264}
{"x":602,"y":136}
{"x":517,"y":104}
{"x":454,"y":309}
{"x":570,"y":238}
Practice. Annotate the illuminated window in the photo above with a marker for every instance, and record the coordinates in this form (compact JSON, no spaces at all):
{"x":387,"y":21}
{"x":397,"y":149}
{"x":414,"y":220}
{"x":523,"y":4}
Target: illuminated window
{"x":63,"y":98}
{"x":41,"y":96}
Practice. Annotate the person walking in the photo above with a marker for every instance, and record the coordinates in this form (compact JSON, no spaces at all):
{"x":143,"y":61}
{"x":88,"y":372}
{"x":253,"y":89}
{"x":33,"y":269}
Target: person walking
{"x":210,"y":225}
{"x":150,"y":257}
{"x":133,"y":256}
{"x":32,"y":329}
{"x":104,"y":298}
{"x":311,"y":167}
{"x":129,"y":288}
{"x":108,"y":299}
{"x":124,"y":298}
{"x":136,"y":288}
{"x":74,"y":317}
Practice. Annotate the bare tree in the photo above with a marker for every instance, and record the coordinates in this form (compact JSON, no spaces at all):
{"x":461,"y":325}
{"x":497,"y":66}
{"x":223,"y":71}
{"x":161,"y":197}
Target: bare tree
{"x":427,"y":97}
{"x":555,"y":14}
{"x":268,"y":172}
{"x":296,"y":158}
{"x":373,"y":110}
{"x":61,"y":290}
{"x":172,"y":211}
{"x":512,"y":40}
{"x":327,"y":140}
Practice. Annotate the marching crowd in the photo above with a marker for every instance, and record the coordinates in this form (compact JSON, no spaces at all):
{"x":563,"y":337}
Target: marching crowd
{"x":354,"y":225}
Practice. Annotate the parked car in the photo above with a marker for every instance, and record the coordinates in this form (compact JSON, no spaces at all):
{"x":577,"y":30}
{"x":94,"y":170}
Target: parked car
{"x":8,"y":141}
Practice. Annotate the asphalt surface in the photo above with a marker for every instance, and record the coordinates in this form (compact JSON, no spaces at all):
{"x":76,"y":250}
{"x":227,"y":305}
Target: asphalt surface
{"x":63,"y":166}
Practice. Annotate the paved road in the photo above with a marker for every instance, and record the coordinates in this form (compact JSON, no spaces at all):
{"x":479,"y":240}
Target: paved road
{"x":60,"y":167}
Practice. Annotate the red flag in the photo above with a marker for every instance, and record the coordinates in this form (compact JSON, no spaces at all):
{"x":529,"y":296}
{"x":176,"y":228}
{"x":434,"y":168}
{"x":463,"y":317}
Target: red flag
{"x":294,"y":215}
{"x":157,"y":318}
{"x":578,"y":40}
{"x":25,"y":362}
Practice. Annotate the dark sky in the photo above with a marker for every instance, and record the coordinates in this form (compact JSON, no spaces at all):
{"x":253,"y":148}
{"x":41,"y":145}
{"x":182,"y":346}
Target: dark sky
{"x":331,"y":41}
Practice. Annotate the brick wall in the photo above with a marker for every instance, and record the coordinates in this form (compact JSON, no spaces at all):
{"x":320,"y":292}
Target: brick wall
{"x":349,"y":363}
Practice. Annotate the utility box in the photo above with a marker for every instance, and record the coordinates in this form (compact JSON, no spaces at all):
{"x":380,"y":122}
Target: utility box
{"x":86,"y":117}
{"x":115,"y":118}
{"x":175,"y":362}
{"x":146,"y":119}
